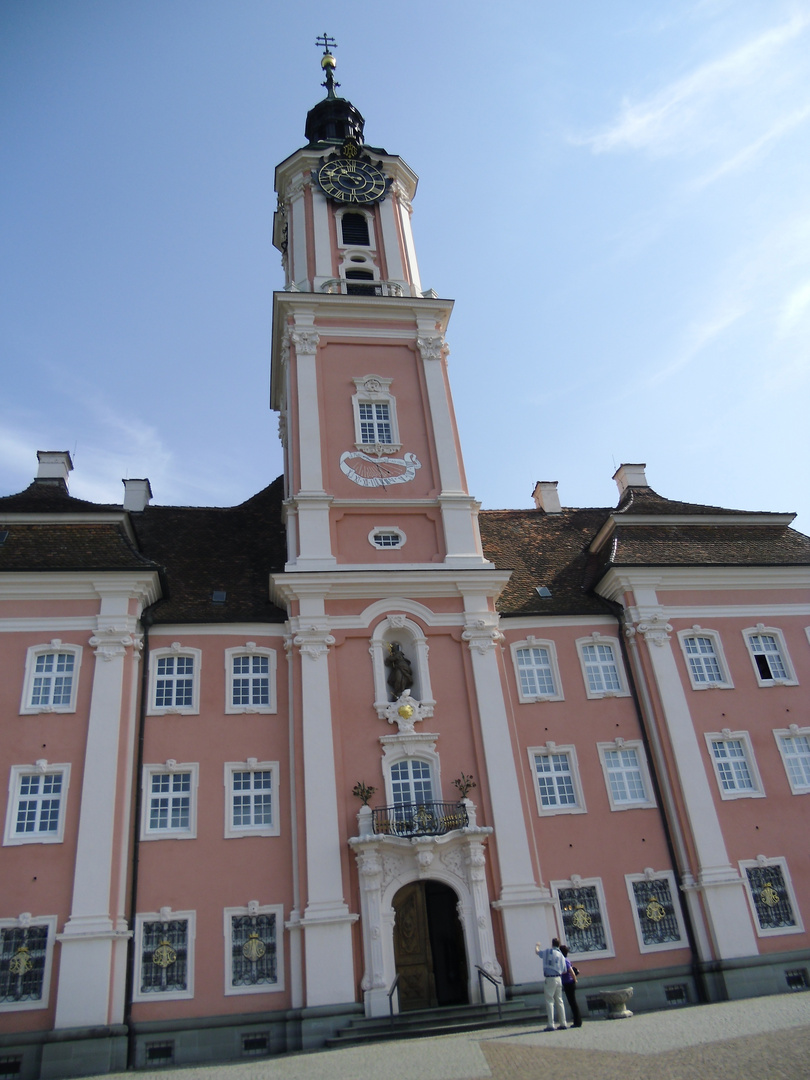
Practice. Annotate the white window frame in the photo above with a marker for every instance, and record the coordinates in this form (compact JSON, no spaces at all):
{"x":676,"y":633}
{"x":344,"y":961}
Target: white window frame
{"x":793,"y":732}
{"x":771,"y":631}
{"x":171,"y":768}
{"x":577,"y":882}
{"x":250,"y":648}
{"x":392,"y":530}
{"x":375,"y":390}
{"x":657,"y":875}
{"x":26,"y":921}
{"x":774,"y":931}
{"x":725,"y":682}
{"x":600,"y":639}
{"x":251,"y":765}
{"x":165,"y":915}
{"x":726,"y":735}
{"x":637,"y":747}
{"x":16,"y":774}
{"x":550,"y":749}
{"x":35,"y":651}
{"x":254,"y":908}
{"x":532,"y":642}
{"x":422,"y":747}
{"x":175,"y":649}
{"x":359,"y":248}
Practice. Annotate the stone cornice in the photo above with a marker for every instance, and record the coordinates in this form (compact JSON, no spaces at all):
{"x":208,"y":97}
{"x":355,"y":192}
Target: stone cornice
{"x":736,"y":521}
{"x":385,"y":580}
{"x":80,"y":584}
{"x":621,"y":579}
{"x":72,"y":517}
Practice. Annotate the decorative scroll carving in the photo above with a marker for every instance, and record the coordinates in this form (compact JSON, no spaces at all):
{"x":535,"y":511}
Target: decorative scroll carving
{"x":432,"y":346}
{"x":305,"y":341}
{"x":656,"y":630}
{"x":110,"y":642}
{"x":314,"y":641}
{"x":482,"y":635}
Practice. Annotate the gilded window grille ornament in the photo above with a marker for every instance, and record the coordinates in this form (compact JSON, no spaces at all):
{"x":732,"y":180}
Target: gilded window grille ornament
{"x":21,"y":961}
{"x":254,"y":948}
{"x":164,"y":955}
{"x":769,"y":896}
{"x":655,"y":911}
{"x":581,"y":919}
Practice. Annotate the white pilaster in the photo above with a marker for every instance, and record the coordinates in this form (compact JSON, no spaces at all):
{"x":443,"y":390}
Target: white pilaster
{"x":327,"y":922}
{"x":322,"y":228}
{"x":390,"y":242}
{"x":525,"y":908}
{"x":719,"y":882}
{"x":297,"y":249}
{"x":89,"y":954}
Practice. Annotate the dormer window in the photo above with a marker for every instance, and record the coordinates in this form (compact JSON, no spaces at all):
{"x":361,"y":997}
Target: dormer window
{"x":355,"y":230}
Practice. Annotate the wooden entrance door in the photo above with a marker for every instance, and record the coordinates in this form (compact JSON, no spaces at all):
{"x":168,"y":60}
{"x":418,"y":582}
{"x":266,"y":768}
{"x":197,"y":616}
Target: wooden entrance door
{"x":429,"y":947}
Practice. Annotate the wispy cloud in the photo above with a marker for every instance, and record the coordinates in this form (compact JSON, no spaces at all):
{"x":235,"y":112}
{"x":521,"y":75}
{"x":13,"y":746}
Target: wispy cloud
{"x":687,"y":114}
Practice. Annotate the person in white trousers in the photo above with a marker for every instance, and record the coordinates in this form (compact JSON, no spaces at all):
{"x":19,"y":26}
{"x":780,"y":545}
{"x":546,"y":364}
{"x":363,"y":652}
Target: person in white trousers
{"x":553,"y":968}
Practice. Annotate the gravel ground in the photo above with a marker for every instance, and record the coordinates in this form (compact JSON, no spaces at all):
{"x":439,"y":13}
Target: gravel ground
{"x":756,"y":1039}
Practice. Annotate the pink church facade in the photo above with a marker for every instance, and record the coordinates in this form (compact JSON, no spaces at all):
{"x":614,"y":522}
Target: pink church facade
{"x":583,"y":723}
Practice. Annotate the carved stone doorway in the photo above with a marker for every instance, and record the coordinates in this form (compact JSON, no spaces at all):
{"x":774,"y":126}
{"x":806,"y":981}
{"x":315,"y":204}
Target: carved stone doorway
{"x":429,"y":948}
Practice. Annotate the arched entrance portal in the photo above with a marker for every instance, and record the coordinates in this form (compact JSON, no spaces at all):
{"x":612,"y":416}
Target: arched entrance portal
{"x":429,"y":948}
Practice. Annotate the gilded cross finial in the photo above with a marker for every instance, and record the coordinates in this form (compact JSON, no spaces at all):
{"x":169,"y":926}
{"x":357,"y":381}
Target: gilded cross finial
{"x":328,"y":62}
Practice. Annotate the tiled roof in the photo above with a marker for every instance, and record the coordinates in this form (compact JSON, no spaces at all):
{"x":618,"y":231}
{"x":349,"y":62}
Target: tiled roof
{"x":48,"y":497}
{"x":98,"y":546}
{"x":203,"y":549}
{"x":708,"y":545}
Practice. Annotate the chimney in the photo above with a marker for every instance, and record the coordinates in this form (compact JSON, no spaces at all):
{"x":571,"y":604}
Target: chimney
{"x":54,"y":466}
{"x":137,"y":494}
{"x":627,"y":476}
{"x":545,"y":496}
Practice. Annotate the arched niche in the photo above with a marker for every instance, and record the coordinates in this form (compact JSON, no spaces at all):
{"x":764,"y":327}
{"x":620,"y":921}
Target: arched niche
{"x":408,"y":635}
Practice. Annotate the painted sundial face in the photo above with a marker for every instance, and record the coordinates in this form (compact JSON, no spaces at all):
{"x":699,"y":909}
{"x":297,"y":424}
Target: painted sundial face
{"x":349,"y":181}
{"x":367,"y":471}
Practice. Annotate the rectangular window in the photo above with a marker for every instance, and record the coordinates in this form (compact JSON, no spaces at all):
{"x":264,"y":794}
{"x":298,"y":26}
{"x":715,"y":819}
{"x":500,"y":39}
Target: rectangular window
{"x":254,"y":954}
{"x":251,"y":798}
{"x":251,"y":680}
{"x":534,"y":668}
{"x":53,"y":679}
{"x":23,"y":961}
{"x":770,"y":895}
{"x":375,"y":422}
{"x":703,"y":665}
{"x":36,"y":807}
{"x":175,"y":682}
{"x":767,"y":657}
{"x":411,"y":782}
{"x":656,"y":913}
{"x":795,"y":750}
{"x":600,"y":666}
{"x":583,"y":921}
{"x":170,"y":801}
{"x":164,"y":968}
{"x":626,"y":775}
{"x":555,"y":780}
{"x":731,"y":763}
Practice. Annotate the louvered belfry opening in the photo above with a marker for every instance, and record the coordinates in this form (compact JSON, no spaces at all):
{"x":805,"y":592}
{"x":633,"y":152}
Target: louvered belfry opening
{"x":361,"y":283}
{"x":355,"y":230}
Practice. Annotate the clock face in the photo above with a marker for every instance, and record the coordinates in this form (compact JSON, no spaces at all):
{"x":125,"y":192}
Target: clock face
{"x":350,"y":181}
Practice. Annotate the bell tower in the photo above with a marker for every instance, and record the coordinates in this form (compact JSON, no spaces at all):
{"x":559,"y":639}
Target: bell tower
{"x":373,"y":467}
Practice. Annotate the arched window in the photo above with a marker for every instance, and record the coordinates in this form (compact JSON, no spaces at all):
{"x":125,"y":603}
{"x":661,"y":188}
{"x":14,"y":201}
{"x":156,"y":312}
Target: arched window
{"x":355,"y":230}
{"x":411,"y":782}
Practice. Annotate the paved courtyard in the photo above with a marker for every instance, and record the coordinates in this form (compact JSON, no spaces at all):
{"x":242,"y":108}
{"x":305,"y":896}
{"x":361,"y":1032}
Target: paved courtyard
{"x":756,"y":1039}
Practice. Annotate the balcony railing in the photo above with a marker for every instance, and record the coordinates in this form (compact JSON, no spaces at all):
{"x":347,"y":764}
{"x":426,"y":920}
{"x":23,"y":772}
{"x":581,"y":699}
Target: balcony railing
{"x":419,"y":819}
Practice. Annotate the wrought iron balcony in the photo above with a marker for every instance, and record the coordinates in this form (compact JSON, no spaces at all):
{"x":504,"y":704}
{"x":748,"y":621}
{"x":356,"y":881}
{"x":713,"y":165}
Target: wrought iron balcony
{"x":419,"y":819}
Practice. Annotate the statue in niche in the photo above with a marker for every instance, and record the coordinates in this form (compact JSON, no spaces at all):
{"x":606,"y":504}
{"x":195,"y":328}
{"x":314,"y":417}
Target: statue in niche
{"x":400,"y":678}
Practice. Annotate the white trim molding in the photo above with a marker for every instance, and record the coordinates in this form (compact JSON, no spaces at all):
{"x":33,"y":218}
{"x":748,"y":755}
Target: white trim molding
{"x":734,"y":765}
{"x":705,"y":660}
{"x":255,"y":948}
{"x":543,"y":669}
{"x":254,"y":676}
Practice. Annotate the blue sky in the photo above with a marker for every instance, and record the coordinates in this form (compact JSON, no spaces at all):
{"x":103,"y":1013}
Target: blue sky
{"x":614,"y":192}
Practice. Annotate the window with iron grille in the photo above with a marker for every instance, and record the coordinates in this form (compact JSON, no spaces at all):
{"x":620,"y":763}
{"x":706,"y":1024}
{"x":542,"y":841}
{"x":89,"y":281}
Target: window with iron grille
{"x":164,"y":968}
{"x":354,"y":228}
{"x":51,"y":676}
{"x":254,"y":955}
{"x":170,"y":801}
{"x":769,"y":656}
{"x":251,"y":679}
{"x":583,"y":920}
{"x":556,"y":775}
{"x":252,"y":802}
{"x":770,"y":896}
{"x":657,"y":914}
{"x":24,"y":961}
{"x":175,"y":680}
{"x":794,"y":746}
{"x":36,"y":809}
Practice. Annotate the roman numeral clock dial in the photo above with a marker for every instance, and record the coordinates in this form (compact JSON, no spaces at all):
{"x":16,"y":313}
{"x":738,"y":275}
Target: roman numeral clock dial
{"x":347,"y":180}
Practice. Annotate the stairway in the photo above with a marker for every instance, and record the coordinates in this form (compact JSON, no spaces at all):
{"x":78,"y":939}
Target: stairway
{"x":423,"y":1023}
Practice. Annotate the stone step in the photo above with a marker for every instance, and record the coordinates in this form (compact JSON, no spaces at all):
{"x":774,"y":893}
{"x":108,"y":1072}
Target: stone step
{"x":445,"y":1021}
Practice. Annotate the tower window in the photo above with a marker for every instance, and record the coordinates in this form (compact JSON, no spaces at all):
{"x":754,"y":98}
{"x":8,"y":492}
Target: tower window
{"x":355,"y":230}
{"x":361,"y":283}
